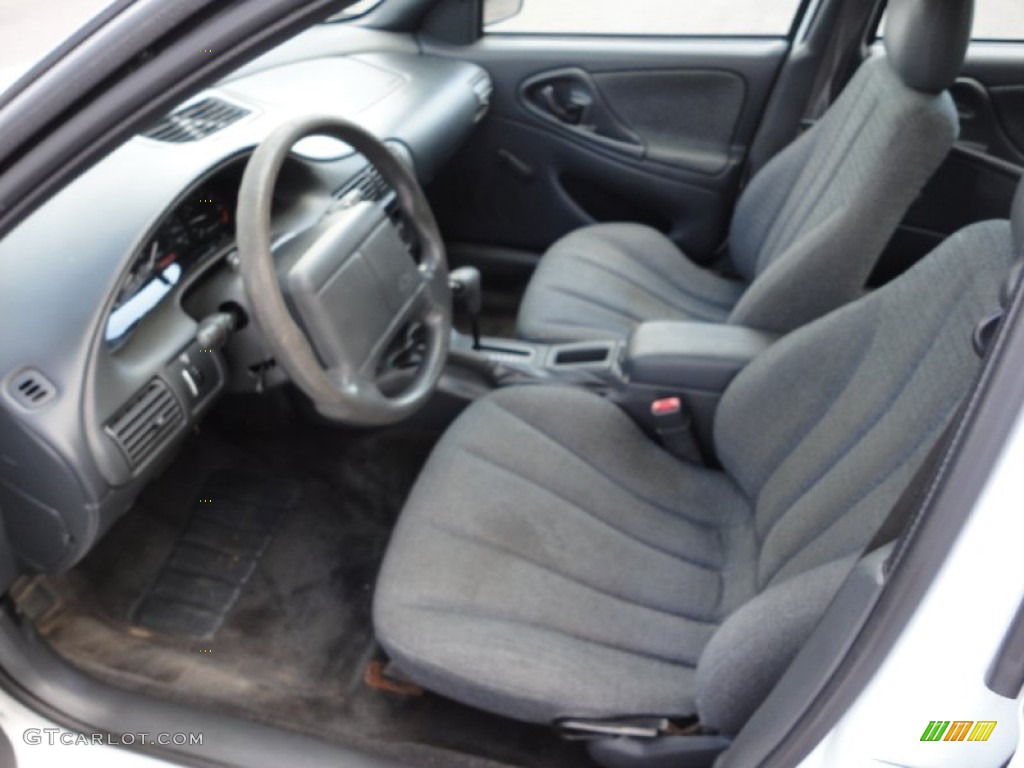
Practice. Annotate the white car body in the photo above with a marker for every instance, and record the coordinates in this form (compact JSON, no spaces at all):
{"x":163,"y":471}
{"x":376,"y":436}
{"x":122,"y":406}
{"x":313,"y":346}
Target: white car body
{"x":937,"y":669}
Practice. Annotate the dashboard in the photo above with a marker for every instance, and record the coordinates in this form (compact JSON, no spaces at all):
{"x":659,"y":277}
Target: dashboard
{"x":113,"y":277}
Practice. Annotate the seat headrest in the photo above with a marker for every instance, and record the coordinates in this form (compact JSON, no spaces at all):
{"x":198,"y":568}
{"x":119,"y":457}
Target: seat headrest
{"x":926,"y":41}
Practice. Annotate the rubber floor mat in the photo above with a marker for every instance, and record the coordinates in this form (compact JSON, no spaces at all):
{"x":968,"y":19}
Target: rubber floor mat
{"x":230,"y":526}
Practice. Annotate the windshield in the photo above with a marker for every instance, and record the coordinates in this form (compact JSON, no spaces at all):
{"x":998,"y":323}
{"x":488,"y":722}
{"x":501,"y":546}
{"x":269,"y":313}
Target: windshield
{"x":30,"y":29}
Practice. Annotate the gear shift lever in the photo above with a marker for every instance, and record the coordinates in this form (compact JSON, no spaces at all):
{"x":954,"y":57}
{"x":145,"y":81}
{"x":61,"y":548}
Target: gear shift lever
{"x":467,"y":290}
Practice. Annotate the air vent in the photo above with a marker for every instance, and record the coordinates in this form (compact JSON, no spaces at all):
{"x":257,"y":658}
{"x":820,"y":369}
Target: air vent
{"x":146,"y":423}
{"x":483,"y":88}
{"x":196,"y":121}
{"x":31,"y":389}
{"x":369,"y":183}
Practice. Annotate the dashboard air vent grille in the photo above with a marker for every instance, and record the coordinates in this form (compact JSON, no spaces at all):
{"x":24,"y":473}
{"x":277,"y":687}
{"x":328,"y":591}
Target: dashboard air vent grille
{"x":146,"y":423}
{"x":369,"y":183}
{"x":196,"y":121}
{"x":483,"y":89}
{"x":31,"y":389}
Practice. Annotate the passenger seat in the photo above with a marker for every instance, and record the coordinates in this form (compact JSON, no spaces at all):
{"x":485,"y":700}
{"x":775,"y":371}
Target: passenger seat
{"x":808,"y":229}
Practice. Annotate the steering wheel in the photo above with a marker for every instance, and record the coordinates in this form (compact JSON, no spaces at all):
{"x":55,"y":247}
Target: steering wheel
{"x":351,"y":279}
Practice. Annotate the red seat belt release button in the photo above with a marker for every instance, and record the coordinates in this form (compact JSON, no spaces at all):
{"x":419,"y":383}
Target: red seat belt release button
{"x":667,"y":406}
{"x":675,"y":428}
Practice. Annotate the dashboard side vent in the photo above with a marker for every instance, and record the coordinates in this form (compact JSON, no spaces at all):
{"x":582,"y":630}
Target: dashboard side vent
{"x":31,"y":389}
{"x":196,"y":121}
{"x":483,"y":89}
{"x":146,"y":423}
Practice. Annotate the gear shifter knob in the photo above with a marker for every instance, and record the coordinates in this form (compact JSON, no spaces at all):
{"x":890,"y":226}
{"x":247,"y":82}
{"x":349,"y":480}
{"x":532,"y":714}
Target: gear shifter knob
{"x":467,"y":288}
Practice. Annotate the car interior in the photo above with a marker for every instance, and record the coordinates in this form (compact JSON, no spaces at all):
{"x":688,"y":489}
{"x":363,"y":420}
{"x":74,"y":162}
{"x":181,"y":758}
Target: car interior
{"x":476,"y":398}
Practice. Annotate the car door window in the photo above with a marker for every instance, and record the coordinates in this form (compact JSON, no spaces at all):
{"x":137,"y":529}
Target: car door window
{"x":759,"y":18}
{"x":1001,"y":20}
{"x":998,"y":20}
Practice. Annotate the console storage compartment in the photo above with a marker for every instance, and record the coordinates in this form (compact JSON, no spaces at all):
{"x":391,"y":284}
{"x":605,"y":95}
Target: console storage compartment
{"x":587,"y":353}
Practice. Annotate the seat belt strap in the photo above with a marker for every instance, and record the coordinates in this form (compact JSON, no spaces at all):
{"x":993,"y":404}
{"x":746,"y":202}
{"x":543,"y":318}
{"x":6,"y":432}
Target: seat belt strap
{"x":916,"y":492}
{"x":843,"y":26}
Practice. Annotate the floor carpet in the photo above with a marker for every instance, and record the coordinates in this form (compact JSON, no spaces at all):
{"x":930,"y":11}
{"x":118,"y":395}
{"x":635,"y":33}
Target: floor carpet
{"x":287,"y":635}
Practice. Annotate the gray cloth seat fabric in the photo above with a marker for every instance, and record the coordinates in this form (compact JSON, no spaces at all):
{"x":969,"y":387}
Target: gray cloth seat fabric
{"x":513,"y":571}
{"x":809,"y":227}
{"x":602,"y":281}
{"x":552,"y":561}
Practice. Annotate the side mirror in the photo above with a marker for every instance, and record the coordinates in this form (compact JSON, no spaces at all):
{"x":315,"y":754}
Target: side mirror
{"x":497,"y":11}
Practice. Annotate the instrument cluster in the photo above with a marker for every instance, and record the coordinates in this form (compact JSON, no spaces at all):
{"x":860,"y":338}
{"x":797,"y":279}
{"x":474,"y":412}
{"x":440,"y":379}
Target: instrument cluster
{"x":200,"y":226}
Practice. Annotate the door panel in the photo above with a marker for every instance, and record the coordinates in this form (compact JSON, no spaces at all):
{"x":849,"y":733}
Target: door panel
{"x":1009,"y":109}
{"x":519,"y":186}
{"x":978,"y":180}
{"x":600,"y":129}
{"x":683,"y":118}
{"x":680,"y":118}
{"x":986,"y":123}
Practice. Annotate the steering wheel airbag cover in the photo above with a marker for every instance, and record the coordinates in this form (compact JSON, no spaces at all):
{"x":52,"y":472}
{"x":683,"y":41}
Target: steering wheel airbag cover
{"x":346,"y":391}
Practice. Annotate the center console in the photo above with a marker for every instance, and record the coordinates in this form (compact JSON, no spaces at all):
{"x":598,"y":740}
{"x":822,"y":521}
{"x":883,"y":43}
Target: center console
{"x":667,"y":375}
{"x":592,"y":364}
{"x":694,"y":362}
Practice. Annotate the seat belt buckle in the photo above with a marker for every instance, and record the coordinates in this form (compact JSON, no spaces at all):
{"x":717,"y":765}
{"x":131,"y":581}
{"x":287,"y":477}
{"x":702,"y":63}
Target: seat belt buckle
{"x":668,"y":408}
{"x":675,"y":429}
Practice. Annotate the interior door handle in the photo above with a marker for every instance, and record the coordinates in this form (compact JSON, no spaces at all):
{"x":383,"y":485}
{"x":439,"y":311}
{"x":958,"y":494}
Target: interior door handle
{"x":571,"y":99}
{"x":570,"y":108}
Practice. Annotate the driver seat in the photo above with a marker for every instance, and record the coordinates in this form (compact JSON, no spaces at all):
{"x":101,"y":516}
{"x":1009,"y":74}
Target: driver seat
{"x":552,"y":561}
